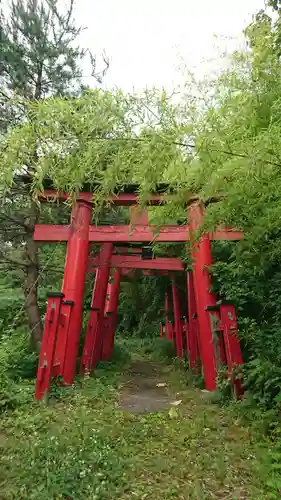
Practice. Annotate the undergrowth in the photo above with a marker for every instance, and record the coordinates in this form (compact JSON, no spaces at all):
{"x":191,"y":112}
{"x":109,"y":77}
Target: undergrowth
{"x":82,"y":446}
{"x":18,"y":366}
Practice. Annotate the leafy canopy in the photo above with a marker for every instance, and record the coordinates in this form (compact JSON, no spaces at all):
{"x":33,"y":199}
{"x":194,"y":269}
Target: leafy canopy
{"x":102,"y":137}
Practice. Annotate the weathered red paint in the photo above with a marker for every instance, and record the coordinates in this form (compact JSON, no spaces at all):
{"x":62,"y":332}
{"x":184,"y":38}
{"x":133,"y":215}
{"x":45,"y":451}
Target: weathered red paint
{"x":168,"y":325}
{"x":202,"y":260}
{"x":116,"y":234}
{"x":177,"y":320}
{"x":192,"y":330}
{"x":110,"y":310}
{"x":93,"y":338}
{"x":127,"y":234}
{"x":62,"y":337}
{"x":74,"y":282}
{"x":44,"y":372}
{"x":136,"y":262}
{"x":231,"y":342}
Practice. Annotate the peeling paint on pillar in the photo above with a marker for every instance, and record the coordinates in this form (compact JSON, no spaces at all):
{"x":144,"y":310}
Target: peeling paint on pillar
{"x":110,"y":311}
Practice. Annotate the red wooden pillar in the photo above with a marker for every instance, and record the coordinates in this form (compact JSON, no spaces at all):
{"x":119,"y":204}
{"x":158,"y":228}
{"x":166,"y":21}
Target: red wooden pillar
{"x":177,"y":320}
{"x":45,"y":366}
{"x":192,"y":332}
{"x":110,"y":320}
{"x":231,"y":341}
{"x":62,"y":337}
{"x":74,"y":282}
{"x":168,"y":326}
{"x":138,"y":216}
{"x":202,"y":259}
{"x":93,"y":338}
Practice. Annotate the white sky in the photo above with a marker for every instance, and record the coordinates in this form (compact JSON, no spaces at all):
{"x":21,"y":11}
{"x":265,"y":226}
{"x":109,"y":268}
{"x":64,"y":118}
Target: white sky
{"x":149,"y":41}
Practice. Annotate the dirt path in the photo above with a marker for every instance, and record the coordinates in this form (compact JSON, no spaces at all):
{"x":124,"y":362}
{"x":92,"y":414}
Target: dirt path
{"x":188,"y":448}
{"x":146,"y":390}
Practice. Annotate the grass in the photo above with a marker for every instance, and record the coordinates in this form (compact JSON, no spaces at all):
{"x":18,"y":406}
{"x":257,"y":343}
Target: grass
{"x":82,"y":446}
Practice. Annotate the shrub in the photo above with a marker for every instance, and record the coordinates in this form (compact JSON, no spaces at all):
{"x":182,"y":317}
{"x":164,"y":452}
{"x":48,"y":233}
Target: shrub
{"x":18,"y":365}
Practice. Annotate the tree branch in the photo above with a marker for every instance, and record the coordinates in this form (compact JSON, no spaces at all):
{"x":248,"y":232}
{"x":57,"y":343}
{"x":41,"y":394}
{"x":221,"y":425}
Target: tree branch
{"x":3,"y":217}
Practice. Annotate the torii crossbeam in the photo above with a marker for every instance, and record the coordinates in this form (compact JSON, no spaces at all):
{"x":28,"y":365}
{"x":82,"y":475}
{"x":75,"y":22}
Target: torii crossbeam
{"x":137,"y":262}
{"x":130,"y":234}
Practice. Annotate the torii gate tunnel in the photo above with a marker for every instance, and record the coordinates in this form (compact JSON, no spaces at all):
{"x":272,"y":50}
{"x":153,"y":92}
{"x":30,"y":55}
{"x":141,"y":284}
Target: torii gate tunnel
{"x":207,"y":334}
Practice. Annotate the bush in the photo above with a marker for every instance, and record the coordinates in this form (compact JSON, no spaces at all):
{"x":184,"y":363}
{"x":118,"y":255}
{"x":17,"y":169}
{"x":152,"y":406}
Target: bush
{"x":263,"y":382}
{"x":166,"y":349}
{"x":18,"y":364}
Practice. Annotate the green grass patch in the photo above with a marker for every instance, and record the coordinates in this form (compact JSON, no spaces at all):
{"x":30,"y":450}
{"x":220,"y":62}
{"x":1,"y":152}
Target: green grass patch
{"x":82,"y":446}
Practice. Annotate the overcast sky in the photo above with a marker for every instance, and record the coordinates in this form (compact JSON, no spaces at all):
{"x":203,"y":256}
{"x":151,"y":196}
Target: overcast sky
{"x":149,"y":41}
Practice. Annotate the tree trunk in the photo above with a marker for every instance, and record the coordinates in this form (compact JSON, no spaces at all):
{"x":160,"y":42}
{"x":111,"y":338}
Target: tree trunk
{"x":32,"y":278}
{"x":32,"y":272}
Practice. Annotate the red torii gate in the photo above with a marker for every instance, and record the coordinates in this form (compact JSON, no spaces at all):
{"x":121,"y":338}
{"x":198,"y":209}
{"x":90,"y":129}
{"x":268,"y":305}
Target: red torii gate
{"x":64,"y":312}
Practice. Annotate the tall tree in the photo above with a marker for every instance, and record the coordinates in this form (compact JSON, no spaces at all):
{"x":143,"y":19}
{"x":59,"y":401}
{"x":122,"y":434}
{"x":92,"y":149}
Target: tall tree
{"x":39,"y":57}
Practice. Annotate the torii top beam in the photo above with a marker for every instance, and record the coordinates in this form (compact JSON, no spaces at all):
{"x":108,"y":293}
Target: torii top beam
{"x":125,"y":195}
{"x":128,"y":196}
